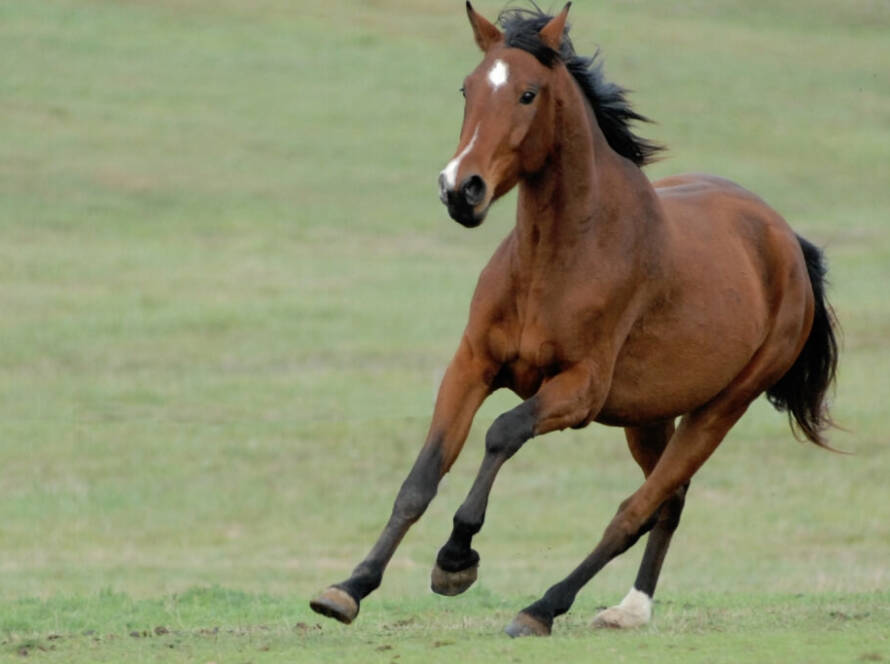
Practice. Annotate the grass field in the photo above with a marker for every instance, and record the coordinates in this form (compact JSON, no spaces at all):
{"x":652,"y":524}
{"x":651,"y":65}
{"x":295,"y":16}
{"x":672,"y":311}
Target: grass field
{"x":227,"y":289}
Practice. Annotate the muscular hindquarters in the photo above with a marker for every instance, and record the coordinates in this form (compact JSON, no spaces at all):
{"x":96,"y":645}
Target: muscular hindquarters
{"x":733,"y":276}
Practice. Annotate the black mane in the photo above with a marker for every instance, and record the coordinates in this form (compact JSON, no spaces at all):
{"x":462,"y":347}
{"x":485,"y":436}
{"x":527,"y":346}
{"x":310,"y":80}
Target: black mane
{"x":609,"y":101}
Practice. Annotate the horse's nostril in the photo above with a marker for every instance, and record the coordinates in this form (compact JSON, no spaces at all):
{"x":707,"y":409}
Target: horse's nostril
{"x":473,"y":190}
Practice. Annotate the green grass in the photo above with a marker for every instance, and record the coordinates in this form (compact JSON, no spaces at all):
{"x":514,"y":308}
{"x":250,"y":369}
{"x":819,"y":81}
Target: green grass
{"x":226,"y":625}
{"x":227,"y":289}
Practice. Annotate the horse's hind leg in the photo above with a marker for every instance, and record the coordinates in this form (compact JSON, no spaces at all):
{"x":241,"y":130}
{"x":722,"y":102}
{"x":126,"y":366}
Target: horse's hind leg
{"x":646,"y":445}
{"x":697,"y":437}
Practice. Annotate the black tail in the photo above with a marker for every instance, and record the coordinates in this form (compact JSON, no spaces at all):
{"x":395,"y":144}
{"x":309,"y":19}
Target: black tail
{"x":802,"y":390}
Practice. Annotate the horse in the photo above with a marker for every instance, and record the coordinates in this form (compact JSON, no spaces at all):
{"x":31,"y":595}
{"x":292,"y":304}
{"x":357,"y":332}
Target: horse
{"x":613,"y":300}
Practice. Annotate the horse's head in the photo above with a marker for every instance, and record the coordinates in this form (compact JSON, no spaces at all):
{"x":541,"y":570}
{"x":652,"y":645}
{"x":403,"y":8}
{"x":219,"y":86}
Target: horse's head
{"x":508,"y":121}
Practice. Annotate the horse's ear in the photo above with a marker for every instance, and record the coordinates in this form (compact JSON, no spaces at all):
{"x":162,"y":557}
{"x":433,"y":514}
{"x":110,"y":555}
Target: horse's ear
{"x":551,"y":34}
{"x":486,"y":34}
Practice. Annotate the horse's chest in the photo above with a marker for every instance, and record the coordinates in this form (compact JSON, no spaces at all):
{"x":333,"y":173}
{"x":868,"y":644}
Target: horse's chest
{"x":537,"y":350}
{"x":528,"y":355}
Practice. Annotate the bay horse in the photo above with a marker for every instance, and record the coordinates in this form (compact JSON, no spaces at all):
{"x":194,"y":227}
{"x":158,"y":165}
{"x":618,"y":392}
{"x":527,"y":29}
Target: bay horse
{"x":612,"y":300}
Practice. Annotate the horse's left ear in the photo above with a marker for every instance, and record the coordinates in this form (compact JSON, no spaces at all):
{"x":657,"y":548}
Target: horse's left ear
{"x":551,"y":34}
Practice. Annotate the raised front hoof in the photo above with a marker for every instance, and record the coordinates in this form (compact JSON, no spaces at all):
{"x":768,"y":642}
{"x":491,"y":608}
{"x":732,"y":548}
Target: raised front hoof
{"x":452,"y":583}
{"x":525,"y":625}
{"x":617,"y":617}
{"x":337,"y":604}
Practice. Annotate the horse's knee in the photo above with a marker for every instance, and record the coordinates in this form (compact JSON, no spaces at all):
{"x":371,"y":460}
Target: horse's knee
{"x":510,"y":431}
{"x":412,"y":501}
{"x":419,"y":488}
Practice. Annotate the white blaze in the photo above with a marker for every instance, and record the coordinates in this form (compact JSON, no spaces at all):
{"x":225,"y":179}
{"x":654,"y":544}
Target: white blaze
{"x":450,"y":171}
{"x":498,"y":74}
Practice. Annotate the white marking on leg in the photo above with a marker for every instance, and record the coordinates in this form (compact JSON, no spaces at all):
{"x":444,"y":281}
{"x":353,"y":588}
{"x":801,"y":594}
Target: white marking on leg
{"x":450,"y":171}
{"x":638,"y":603}
{"x":498,"y":74}
{"x":635,"y":610}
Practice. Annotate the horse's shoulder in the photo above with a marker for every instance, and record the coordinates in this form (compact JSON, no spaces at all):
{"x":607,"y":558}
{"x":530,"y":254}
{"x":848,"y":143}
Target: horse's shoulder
{"x":492,"y":300}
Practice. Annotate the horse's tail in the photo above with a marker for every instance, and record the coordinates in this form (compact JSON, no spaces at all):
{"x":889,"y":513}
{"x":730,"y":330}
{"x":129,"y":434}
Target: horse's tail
{"x":803,"y":389}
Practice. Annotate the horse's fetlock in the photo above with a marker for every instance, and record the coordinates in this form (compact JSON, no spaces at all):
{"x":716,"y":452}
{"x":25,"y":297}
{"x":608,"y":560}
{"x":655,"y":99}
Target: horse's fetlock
{"x":365,"y":579}
{"x":453,"y":557}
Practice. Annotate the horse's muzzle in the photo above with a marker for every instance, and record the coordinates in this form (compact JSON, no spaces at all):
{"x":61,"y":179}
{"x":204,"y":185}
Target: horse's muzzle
{"x":463,"y":201}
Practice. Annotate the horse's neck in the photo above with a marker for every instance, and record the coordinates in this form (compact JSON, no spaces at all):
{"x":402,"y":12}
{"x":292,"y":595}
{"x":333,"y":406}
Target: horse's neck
{"x":587,"y":198}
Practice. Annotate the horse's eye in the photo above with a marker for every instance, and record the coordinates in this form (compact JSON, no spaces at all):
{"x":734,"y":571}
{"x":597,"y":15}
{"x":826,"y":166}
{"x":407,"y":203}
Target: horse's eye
{"x":463,"y":91}
{"x":527,"y":97}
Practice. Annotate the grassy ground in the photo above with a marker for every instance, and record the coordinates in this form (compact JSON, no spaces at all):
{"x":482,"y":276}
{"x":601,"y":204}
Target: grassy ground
{"x":227,"y":289}
{"x":225,"y":625}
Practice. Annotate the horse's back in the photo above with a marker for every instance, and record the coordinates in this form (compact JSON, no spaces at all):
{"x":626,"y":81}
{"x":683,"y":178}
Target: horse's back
{"x":701,"y":197}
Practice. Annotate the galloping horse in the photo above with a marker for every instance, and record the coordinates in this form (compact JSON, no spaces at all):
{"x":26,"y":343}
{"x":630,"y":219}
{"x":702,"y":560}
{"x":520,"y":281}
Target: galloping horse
{"x":613,"y":300}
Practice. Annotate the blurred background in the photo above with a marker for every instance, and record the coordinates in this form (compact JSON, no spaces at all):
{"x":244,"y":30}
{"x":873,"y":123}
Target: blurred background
{"x":228,"y":291}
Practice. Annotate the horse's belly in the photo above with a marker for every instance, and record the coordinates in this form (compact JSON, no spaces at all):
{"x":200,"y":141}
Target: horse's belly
{"x":663,"y":388}
{"x":671,"y":367}
{"x":649,"y":398}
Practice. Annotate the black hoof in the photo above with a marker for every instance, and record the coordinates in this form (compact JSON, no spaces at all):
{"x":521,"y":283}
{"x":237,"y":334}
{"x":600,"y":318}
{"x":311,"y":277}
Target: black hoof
{"x":525,"y":625}
{"x":336,"y":603}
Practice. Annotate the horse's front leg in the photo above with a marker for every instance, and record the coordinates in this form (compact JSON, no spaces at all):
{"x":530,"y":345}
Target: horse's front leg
{"x":566,"y":400}
{"x":465,"y":385}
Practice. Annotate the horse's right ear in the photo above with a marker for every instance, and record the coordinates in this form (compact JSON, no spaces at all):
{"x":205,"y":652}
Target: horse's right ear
{"x":486,"y":34}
